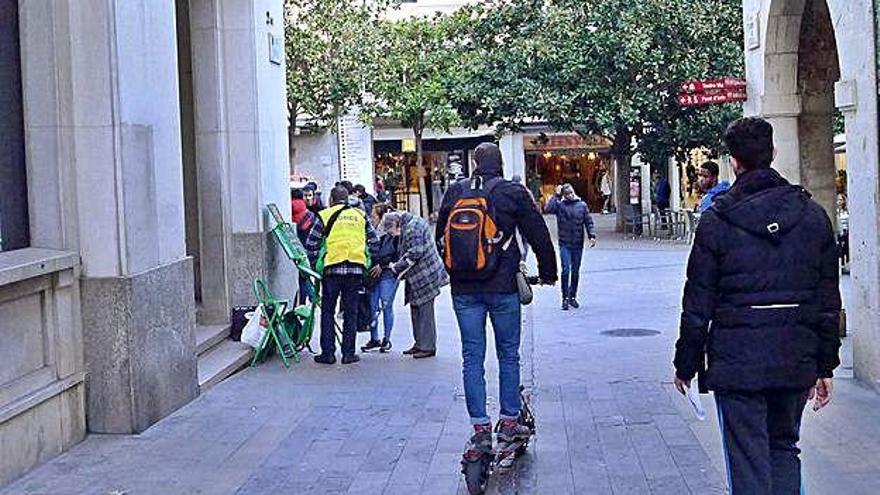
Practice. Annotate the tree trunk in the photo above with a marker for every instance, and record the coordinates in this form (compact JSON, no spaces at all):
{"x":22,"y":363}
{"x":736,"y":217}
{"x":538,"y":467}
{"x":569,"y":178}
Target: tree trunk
{"x":622,"y":153}
{"x":420,"y":167}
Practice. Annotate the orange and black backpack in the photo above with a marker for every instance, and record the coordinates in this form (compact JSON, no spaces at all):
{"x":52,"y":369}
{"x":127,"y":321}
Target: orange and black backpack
{"x":472,"y":240}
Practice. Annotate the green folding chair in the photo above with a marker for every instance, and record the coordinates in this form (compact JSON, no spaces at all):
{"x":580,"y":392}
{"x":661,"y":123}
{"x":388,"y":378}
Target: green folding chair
{"x":277,"y":336}
{"x":300,"y":322}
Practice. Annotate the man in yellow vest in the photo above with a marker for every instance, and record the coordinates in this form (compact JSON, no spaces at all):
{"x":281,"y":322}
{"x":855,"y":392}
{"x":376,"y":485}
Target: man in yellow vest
{"x":349,"y":239}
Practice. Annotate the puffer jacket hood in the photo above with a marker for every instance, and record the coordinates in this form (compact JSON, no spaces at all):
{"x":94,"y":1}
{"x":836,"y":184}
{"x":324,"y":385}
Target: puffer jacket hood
{"x":763,"y":203}
{"x":489,"y":161}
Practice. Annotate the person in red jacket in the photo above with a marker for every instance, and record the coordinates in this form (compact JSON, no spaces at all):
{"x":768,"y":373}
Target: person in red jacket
{"x":304,"y":220}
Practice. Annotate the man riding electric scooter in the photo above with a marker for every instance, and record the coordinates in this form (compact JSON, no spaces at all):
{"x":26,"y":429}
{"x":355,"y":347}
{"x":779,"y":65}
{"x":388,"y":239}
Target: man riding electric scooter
{"x":476,"y":233}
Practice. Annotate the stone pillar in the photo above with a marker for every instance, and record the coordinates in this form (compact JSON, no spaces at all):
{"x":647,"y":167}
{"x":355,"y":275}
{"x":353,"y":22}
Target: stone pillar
{"x":123,"y":127}
{"x":674,"y":178}
{"x":242,"y":151}
{"x":782,"y":111}
{"x":513,"y":155}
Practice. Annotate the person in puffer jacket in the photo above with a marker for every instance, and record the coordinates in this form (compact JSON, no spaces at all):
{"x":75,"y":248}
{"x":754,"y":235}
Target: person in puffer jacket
{"x":573,"y":221}
{"x":761,"y":310}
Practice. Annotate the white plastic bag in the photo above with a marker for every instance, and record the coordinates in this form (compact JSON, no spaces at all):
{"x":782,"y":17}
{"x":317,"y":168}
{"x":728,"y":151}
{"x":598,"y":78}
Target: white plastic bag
{"x":253,"y":332}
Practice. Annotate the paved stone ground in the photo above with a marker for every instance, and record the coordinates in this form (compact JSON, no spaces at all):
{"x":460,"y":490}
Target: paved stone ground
{"x":609,"y":421}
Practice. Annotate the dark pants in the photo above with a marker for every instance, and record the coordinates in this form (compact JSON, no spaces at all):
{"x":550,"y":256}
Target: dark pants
{"x":424,"y":326}
{"x":760,"y":433}
{"x":346,"y":286}
{"x":571,"y":268}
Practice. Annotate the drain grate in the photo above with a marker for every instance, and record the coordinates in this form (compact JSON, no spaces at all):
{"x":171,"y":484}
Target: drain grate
{"x":630,"y":332}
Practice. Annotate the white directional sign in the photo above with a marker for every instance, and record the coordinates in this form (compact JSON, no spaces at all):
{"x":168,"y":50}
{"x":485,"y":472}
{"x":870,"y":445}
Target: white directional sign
{"x":355,"y":150}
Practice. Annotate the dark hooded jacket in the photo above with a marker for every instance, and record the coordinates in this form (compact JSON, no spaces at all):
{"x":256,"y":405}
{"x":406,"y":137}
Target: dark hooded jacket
{"x":762,"y":304}
{"x":514,"y":210}
{"x":572,"y":220}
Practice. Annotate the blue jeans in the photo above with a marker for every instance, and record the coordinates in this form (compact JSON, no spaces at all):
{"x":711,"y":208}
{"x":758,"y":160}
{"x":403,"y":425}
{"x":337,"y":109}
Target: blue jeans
{"x":383,"y":300}
{"x":504,"y":310}
{"x":571,"y":268}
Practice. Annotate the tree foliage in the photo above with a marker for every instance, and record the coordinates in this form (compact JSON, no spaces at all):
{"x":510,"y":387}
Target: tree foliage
{"x":611,"y":67}
{"x":407,"y":79}
{"x":326,"y":43}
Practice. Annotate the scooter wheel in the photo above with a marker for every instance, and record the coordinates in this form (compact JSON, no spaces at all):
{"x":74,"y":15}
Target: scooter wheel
{"x":475,"y":474}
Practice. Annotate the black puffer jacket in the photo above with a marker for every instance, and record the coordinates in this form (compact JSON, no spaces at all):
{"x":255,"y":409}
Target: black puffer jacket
{"x":514,"y":210}
{"x":762,"y":300}
{"x":572,"y":219}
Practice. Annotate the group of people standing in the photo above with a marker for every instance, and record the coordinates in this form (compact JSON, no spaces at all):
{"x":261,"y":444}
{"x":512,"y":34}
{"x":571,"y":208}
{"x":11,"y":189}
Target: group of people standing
{"x":759,"y":322}
{"x":363,"y":249}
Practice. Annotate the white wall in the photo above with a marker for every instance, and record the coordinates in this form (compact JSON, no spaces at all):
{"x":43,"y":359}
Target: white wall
{"x":317,"y":157}
{"x":513,"y":154}
{"x":125,"y":136}
{"x":271,"y":105}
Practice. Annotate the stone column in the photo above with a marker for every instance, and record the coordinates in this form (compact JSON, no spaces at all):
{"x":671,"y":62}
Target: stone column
{"x":242,"y":151}
{"x":674,"y":178}
{"x":783,"y":111}
{"x":122,"y":122}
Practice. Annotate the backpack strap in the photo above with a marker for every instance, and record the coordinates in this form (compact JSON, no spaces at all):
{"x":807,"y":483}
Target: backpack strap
{"x":488,"y":186}
{"x":319,"y":263}
{"x":332,"y":221}
{"x":477,"y":183}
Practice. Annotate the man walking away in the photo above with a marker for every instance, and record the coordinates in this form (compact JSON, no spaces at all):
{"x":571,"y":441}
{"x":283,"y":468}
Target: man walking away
{"x":572,"y":220}
{"x":346,"y":239}
{"x":762,"y":303}
{"x":479,"y":289}
{"x":709,"y":185}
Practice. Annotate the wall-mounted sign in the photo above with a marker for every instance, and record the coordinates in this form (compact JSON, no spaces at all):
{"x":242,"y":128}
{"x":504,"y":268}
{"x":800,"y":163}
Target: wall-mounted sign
{"x":753,"y":32}
{"x":712,"y":92}
{"x":408,"y":145}
{"x":276,"y":49}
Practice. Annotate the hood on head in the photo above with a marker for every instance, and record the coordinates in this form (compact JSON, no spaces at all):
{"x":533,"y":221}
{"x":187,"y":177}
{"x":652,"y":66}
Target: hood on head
{"x":488,"y":158}
{"x":763,"y":203}
{"x":299,"y":209}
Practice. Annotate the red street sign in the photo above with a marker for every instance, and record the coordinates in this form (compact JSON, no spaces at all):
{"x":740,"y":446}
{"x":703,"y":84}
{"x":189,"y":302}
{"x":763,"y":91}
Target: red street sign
{"x":700,"y":99}
{"x":727,"y":83}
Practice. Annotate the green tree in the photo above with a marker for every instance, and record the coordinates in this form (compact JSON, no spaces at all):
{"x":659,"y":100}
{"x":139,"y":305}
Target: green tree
{"x":408,"y":80}
{"x":609,"y":67}
{"x":326,"y":43}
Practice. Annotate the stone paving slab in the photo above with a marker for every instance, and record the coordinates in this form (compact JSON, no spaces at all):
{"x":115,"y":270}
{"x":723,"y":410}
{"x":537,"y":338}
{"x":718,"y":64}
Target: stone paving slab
{"x":609,"y":421}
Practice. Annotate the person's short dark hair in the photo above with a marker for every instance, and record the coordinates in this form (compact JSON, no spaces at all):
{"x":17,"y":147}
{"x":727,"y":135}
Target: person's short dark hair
{"x":711,"y":167}
{"x":347,"y":185}
{"x":339,"y":194}
{"x":360,"y":189}
{"x":488,"y":157}
{"x":296,"y":193}
{"x":311,"y":186}
{"x":750,"y":141}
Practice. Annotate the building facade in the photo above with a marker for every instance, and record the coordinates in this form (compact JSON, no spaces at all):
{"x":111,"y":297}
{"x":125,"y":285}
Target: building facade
{"x":806,"y":59}
{"x":145,"y":138}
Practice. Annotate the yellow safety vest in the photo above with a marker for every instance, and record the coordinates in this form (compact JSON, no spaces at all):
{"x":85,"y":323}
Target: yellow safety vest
{"x":347,"y":242}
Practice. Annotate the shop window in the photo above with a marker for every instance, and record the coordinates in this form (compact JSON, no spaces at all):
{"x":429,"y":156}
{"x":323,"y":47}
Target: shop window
{"x":14,"y":232}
